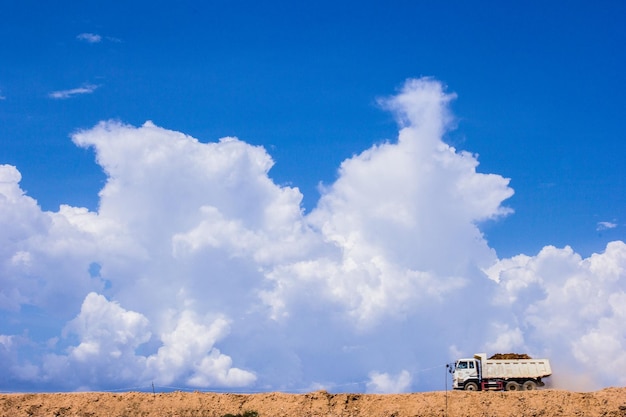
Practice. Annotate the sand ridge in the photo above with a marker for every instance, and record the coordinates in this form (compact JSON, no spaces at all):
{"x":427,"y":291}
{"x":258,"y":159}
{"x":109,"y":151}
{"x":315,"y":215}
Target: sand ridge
{"x":610,"y":402}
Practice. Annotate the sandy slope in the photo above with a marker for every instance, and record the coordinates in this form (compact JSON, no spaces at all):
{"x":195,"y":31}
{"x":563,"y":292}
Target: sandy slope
{"x":545,"y":403}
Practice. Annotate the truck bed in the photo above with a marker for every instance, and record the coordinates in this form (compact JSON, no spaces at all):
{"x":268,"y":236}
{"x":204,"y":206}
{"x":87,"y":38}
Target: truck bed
{"x":516,"y":368}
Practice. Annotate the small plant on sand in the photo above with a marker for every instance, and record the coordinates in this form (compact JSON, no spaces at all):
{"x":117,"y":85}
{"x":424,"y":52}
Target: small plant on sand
{"x":248,"y":413}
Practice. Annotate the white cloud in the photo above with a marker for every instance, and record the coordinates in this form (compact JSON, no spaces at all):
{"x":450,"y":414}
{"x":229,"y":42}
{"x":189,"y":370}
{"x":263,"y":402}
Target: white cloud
{"x":605,"y":226}
{"x":89,"y":37}
{"x":570,"y":308}
{"x":107,"y":351}
{"x":383,"y":383}
{"x":400,"y":222}
{"x":96,"y":38}
{"x":506,"y":340}
{"x":105,"y":326}
{"x":40,"y":250}
{"x":64,"y":94}
{"x":189,"y":350}
{"x":108,"y":336}
{"x":198,"y":270}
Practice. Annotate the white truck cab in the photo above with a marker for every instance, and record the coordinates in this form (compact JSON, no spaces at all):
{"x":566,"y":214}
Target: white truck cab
{"x":465,"y":370}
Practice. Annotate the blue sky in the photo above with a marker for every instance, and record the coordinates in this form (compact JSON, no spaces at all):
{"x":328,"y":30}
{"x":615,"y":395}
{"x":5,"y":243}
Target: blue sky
{"x":538,"y":86}
{"x":532,"y":91}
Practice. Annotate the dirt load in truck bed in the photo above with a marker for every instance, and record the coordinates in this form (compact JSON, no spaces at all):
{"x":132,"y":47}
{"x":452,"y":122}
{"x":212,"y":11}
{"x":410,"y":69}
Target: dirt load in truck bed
{"x":610,"y":402}
{"x":510,"y":356}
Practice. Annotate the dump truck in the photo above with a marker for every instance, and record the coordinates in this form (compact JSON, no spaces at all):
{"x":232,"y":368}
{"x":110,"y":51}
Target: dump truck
{"x":482,"y":374}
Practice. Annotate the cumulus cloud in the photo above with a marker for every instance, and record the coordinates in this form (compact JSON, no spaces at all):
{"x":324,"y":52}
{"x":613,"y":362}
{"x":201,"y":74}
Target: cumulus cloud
{"x":109,"y":338}
{"x":64,"y":94}
{"x":189,"y":349}
{"x":569,"y":309}
{"x":198,"y":270}
{"x":32,"y":241}
{"x":401,"y":221}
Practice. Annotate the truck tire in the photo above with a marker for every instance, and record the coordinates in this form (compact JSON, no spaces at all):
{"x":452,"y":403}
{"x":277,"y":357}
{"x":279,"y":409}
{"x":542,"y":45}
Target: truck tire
{"x":529,"y":386}
{"x":471,"y":386}
{"x":512,"y":386}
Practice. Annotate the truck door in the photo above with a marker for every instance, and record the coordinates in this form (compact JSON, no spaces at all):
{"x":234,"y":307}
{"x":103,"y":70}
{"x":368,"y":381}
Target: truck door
{"x":472,"y":370}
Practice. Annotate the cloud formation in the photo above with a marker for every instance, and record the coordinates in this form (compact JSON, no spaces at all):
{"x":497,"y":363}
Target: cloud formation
{"x":89,"y":37}
{"x":64,"y":94}
{"x":557,"y":293}
{"x":199,"y":271}
{"x":605,"y":226}
{"x":385,"y":383}
{"x":96,"y":38}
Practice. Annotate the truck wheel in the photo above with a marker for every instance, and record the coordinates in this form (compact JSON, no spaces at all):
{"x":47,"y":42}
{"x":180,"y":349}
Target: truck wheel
{"x":529,"y":386}
{"x":512,"y":386}
{"x":471,"y":386}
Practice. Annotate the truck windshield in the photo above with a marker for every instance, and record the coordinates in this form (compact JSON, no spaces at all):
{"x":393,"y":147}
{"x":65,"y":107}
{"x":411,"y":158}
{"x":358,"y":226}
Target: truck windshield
{"x":461,"y":365}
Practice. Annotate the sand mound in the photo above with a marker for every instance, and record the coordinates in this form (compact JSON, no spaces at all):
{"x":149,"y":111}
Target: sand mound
{"x":609,"y":402}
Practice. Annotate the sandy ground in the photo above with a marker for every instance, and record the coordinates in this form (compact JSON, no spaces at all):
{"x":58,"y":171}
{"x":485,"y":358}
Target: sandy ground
{"x":608,"y":402}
